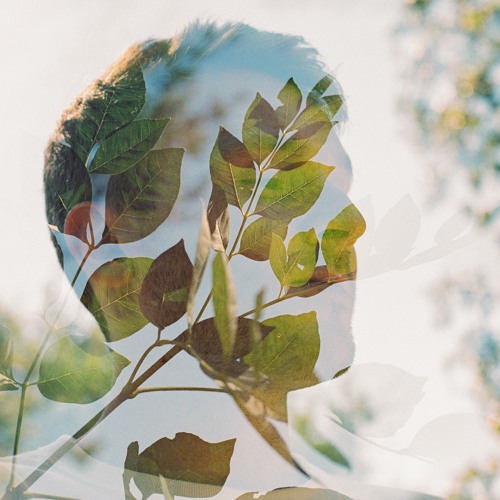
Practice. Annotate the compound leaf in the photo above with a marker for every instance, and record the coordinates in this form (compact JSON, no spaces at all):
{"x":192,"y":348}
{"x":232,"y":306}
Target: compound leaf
{"x":112,"y":296}
{"x":77,"y":370}
{"x":140,"y":199}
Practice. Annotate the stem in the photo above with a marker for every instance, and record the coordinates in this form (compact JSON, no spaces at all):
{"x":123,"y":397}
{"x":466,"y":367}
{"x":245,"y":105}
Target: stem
{"x":142,"y":390}
{"x":144,"y":355}
{"x":26,"y":382}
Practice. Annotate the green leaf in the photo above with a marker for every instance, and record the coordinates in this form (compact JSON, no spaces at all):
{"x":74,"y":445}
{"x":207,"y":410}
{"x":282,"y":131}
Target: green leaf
{"x":338,"y":241}
{"x":291,"y":99}
{"x":232,"y":168}
{"x":192,"y":467}
{"x":286,"y":357}
{"x":289,"y":194}
{"x":318,"y":282}
{"x":164,"y":293}
{"x":322,"y":110}
{"x":218,"y":219}
{"x":260,"y":129}
{"x":82,"y":193}
{"x":112,"y":296}
{"x":301,"y":146}
{"x":318,"y":90}
{"x":112,"y":105}
{"x":296,"y":493}
{"x":224,"y":301}
{"x":78,"y":370}
{"x":7,"y":382}
{"x":256,"y":239}
{"x":140,"y":199}
{"x":200,"y":262}
{"x":127,"y":146}
{"x":296,"y":267}
{"x":303,"y":426}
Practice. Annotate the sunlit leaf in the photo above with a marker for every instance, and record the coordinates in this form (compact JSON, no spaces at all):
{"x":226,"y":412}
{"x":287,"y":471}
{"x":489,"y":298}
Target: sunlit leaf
{"x":301,"y":146}
{"x":287,"y":357}
{"x":289,"y":194}
{"x":224,"y":301}
{"x":338,"y":241}
{"x":112,"y":296}
{"x":296,"y":493}
{"x":291,"y":99}
{"x":232,"y":168}
{"x":256,"y":239}
{"x":323,"y":110}
{"x":297,"y":267}
{"x":319,"y":281}
{"x":200,"y":262}
{"x":164,"y":293}
{"x":127,"y":146}
{"x":192,"y":467}
{"x":260,"y":129}
{"x":218,"y":219}
{"x":318,"y":90}
{"x":112,"y":105}
{"x":7,"y":382}
{"x":78,"y":370}
{"x":140,"y":199}
{"x":305,"y":428}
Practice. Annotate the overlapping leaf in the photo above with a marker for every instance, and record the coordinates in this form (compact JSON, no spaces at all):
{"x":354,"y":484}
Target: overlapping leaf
{"x":337,"y":243}
{"x":79,"y":371}
{"x":112,"y":105}
{"x":256,"y":239}
{"x":301,"y":146}
{"x":112,"y":296}
{"x":318,"y":90}
{"x":218,"y":219}
{"x":291,"y":99}
{"x":127,"y":146}
{"x":140,"y":199}
{"x":232,"y":168}
{"x":322,"y":110}
{"x":192,"y":467}
{"x":164,"y":293}
{"x":224,"y":302}
{"x":295,"y":266}
{"x":289,"y":194}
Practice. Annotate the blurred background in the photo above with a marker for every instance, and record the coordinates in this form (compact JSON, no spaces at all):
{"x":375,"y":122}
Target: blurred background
{"x":422,"y":83}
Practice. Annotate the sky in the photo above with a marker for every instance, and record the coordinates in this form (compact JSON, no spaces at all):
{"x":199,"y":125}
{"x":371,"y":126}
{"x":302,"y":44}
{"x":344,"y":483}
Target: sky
{"x":51,"y":50}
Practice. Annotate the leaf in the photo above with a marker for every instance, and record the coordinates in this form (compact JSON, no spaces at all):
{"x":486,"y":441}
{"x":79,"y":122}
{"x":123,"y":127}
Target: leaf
{"x":78,"y":370}
{"x":289,"y":194}
{"x":140,"y":199}
{"x":338,"y":241}
{"x":323,"y":110}
{"x":112,"y":105}
{"x":81,"y":193}
{"x":7,"y":382}
{"x":232,"y":168}
{"x":304,"y":427}
{"x":112,"y":296}
{"x":296,"y":493}
{"x":287,"y":357}
{"x":200,"y":262}
{"x":319,"y":281}
{"x":318,"y":90}
{"x":218,"y":219}
{"x":192,"y":467}
{"x":127,"y":146}
{"x":224,"y":301}
{"x":291,"y":99}
{"x":256,"y":239}
{"x":302,"y":146}
{"x":260,"y":129}
{"x":295,"y":267}
{"x":164,"y":293}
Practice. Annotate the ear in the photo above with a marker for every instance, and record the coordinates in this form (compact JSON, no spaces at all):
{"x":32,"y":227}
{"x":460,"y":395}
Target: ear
{"x":78,"y":220}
